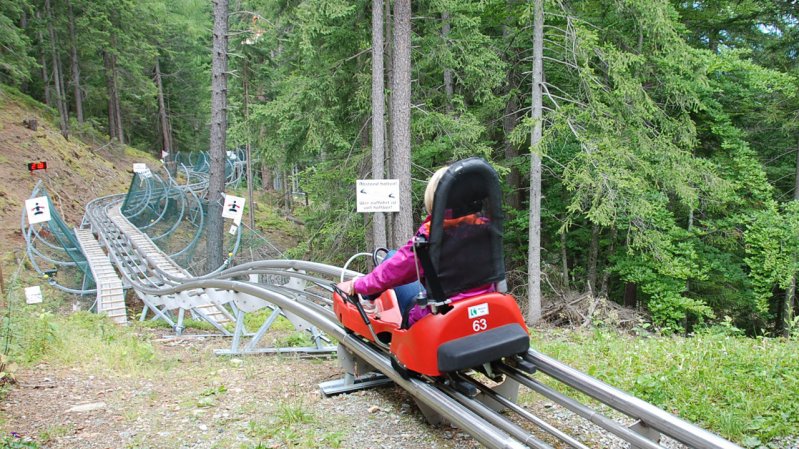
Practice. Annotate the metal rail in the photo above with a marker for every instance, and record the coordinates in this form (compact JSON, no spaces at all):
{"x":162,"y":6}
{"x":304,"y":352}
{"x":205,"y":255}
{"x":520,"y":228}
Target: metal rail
{"x":484,"y":423}
{"x":168,"y":287}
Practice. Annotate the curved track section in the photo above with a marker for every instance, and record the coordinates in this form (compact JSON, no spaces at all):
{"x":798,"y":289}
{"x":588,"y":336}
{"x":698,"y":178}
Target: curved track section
{"x":53,"y":248}
{"x":302,"y":289}
{"x":483,"y":405}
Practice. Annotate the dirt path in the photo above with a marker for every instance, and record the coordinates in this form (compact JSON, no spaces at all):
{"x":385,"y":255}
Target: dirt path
{"x":199,"y":400}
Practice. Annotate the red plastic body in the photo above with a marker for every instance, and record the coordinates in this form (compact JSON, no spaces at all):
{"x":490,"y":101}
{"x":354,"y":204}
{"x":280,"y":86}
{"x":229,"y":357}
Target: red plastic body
{"x":417,"y":348}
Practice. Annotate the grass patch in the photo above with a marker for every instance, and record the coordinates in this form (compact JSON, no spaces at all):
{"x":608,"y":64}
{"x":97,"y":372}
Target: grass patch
{"x":32,"y":333}
{"x":254,"y":320}
{"x":16,"y":442}
{"x":10,"y":93}
{"x":744,"y":389}
{"x":268,"y":217}
{"x":292,"y":425}
{"x":91,"y":340}
{"x":53,"y":432}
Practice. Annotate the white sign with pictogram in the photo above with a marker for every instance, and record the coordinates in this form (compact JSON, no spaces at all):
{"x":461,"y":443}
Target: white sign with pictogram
{"x":38,"y":209}
{"x":233,"y":208}
{"x":33,"y":295}
{"x":377,"y":195}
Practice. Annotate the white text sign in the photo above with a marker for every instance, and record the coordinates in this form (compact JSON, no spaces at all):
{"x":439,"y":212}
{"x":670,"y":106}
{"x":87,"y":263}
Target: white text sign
{"x":33,"y":295}
{"x":377,"y":195}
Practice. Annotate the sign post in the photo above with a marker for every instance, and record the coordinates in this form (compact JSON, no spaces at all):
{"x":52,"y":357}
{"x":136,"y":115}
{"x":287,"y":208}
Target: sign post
{"x":377,"y":195}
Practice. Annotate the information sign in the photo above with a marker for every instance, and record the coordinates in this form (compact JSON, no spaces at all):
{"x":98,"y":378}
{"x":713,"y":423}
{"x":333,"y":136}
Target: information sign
{"x":38,"y":209}
{"x":377,"y":195}
{"x":33,"y":295}
{"x":233,"y":208}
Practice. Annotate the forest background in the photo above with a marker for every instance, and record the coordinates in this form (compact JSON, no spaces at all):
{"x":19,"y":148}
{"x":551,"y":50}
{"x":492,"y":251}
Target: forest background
{"x":669,"y":147}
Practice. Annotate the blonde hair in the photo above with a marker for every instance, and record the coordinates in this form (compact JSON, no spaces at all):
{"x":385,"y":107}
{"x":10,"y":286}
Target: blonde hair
{"x":432,"y":185}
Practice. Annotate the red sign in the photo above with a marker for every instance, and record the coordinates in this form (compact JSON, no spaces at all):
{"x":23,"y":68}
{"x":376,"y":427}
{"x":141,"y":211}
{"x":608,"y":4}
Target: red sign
{"x":38,"y":165}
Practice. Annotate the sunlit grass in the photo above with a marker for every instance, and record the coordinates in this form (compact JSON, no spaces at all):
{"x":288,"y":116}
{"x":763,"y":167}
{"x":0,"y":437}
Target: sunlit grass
{"x":744,"y":389}
{"x":292,"y":424}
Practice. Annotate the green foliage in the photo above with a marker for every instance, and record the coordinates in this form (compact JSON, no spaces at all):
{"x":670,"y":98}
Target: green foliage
{"x":15,"y":63}
{"x":772,"y":245}
{"x":15,"y":442}
{"x":292,"y":425}
{"x":738,"y":387}
{"x":81,"y":338}
{"x":669,"y":127}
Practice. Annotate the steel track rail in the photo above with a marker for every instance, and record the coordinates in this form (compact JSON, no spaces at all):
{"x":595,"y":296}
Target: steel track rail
{"x":487,"y":426}
{"x":634,"y":407}
{"x":428,"y":394}
{"x":654,"y":417}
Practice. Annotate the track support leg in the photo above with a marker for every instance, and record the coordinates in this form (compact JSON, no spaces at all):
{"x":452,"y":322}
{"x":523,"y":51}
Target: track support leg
{"x":646,"y":431}
{"x":509,"y":389}
{"x":353,"y":380}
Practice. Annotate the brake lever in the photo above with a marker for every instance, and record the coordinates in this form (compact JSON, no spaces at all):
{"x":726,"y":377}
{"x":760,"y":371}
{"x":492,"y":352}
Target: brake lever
{"x":353,"y":299}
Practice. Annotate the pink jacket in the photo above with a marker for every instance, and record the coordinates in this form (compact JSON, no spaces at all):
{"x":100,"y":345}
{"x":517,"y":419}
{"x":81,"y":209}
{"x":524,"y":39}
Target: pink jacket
{"x":400,"y":270}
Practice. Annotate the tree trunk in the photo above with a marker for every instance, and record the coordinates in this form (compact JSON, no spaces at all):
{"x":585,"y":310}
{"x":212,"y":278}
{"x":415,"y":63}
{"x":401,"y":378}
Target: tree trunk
{"x":166,"y":125}
{"x":114,"y":109}
{"x":245,"y":84}
{"x":58,"y":81}
{"x":216,"y":184}
{"x":593,"y":255}
{"x":378,"y":117}
{"x":401,"y":120}
{"x":75,"y":64}
{"x":166,"y":137}
{"x":288,"y":203}
{"x":448,"y":89}
{"x":630,"y":295}
{"x":110,"y":93}
{"x":514,"y":179}
{"x":564,"y":260}
{"x":790,"y":294}
{"x":117,"y":102}
{"x":603,"y":285}
{"x":267,"y":183}
{"x":534,"y":237}
{"x":48,"y":94}
{"x":388,"y":19}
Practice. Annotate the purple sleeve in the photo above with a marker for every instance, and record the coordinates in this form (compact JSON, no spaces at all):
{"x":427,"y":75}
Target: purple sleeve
{"x":398,"y":270}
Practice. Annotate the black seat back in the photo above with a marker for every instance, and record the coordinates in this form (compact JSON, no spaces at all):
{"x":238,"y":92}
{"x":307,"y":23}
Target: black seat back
{"x":464,"y":248}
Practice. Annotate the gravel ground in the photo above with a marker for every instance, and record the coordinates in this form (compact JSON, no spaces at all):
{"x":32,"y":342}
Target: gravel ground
{"x":201,"y":401}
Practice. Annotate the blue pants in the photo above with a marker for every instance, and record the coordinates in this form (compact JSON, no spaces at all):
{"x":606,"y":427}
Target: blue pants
{"x":405,"y":293}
